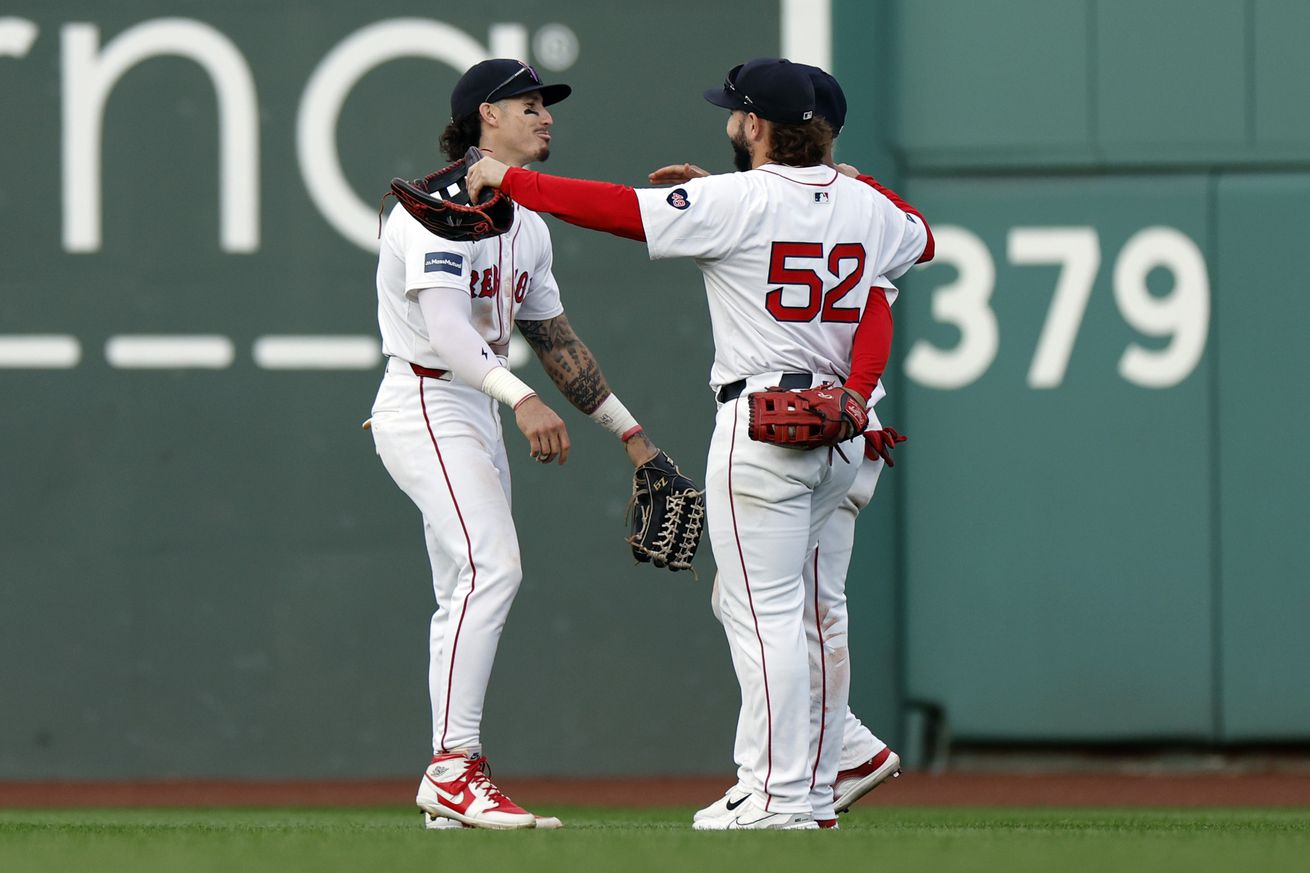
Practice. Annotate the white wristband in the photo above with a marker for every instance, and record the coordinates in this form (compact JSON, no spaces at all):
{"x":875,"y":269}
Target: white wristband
{"x":503,"y":385}
{"x":615,"y":418}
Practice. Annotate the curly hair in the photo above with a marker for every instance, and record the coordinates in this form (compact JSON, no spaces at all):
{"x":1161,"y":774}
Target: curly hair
{"x":800,"y":145}
{"x":460,"y":135}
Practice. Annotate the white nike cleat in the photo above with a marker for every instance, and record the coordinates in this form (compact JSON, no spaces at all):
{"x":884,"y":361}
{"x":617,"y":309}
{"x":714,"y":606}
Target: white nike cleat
{"x":439,"y":823}
{"x":856,"y":782}
{"x":749,"y":815}
{"x":460,"y":788}
{"x":725,"y":805}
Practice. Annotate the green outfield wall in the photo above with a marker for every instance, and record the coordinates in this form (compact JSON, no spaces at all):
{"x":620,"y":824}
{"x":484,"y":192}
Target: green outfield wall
{"x":206,"y":570}
{"x":1100,"y":503}
{"x":1092,"y":535}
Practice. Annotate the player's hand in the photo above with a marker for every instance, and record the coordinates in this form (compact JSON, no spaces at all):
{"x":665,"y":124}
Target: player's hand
{"x":879,"y":444}
{"x":547,"y":436}
{"x":676,"y":174}
{"x":640,"y":449}
{"x":486,"y":173}
{"x":847,"y":170}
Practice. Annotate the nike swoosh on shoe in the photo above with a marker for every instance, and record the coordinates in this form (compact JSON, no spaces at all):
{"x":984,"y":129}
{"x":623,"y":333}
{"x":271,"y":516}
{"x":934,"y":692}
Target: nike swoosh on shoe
{"x":451,"y":803}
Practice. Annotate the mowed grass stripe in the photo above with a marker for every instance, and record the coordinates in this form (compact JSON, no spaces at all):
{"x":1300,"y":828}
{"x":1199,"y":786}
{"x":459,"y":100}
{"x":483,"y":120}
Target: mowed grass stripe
{"x":912,"y":840}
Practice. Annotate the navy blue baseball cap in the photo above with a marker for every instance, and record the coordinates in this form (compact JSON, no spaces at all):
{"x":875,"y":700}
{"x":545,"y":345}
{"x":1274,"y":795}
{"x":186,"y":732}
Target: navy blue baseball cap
{"x":496,"y":79}
{"x":829,"y":99}
{"x":772,"y":88}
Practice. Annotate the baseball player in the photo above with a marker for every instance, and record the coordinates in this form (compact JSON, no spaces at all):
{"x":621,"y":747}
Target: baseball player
{"x":864,"y":761}
{"x":798,"y":262}
{"x":445,"y":310}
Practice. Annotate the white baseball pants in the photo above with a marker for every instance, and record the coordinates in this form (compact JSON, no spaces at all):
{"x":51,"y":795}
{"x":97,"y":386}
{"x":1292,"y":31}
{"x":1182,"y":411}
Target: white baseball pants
{"x":441,"y":441}
{"x":834,"y":728}
{"x":839,"y":740}
{"x":765,"y":507}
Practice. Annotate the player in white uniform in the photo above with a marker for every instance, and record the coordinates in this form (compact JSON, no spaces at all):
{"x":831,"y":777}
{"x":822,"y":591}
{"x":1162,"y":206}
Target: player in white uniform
{"x":798,"y":261}
{"x":865,"y":761}
{"x":445,"y":311}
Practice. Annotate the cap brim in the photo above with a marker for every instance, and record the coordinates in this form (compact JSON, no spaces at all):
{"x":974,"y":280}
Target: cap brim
{"x":550,"y":94}
{"x":721,"y":98}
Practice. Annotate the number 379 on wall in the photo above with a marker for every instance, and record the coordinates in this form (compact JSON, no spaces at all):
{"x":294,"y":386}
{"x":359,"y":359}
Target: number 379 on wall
{"x":1182,"y":315}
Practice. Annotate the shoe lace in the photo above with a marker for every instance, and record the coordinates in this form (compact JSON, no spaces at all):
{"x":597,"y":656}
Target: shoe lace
{"x":479,"y":775}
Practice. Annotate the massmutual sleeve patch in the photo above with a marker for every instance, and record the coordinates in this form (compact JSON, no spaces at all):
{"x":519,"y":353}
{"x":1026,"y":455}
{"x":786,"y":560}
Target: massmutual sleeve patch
{"x":678,"y":198}
{"x":443,"y":262}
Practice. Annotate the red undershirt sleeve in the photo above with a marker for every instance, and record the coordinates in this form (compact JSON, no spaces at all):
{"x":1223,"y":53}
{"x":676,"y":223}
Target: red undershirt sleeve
{"x":873,"y":344}
{"x":594,"y":205}
{"x":929,"y":247}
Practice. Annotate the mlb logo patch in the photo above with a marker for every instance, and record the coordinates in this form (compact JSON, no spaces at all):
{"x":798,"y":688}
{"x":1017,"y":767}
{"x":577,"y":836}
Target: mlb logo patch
{"x":820,"y":196}
{"x":443,"y":262}
{"x":678,"y":198}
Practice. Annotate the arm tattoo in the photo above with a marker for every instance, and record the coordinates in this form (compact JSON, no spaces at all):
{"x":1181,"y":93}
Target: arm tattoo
{"x":567,"y":361}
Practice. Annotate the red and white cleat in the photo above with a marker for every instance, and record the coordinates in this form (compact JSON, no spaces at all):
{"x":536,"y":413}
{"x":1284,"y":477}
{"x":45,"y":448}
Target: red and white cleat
{"x":438,"y":823}
{"x":856,"y":782}
{"x":458,"y":787}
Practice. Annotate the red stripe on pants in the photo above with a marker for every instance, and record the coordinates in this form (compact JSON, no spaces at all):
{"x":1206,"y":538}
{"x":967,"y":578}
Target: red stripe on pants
{"x":764,"y":667}
{"x":473,"y":584}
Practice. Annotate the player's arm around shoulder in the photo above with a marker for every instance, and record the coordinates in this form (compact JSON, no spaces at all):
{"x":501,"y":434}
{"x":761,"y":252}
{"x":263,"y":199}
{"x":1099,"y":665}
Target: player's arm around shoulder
{"x":571,"y":365}
{"x":916,"y":236}
{"x":702,"y":217}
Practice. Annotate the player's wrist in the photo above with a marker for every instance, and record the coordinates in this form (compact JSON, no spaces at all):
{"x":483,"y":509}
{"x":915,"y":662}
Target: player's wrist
{"x":615,"y":418}
{"x":861,"y":396}
{"x":504,"y":386}
{"x":511,"y":174}
{"x":640,"y":449}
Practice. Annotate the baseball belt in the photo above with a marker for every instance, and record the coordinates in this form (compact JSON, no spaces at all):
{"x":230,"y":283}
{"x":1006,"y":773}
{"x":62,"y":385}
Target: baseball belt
{"x":733,"y":390}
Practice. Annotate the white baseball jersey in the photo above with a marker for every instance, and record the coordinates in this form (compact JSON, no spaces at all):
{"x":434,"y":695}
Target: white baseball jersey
{"x":442,"y":442}
{"x":783,"y":303}
{"x":508,"y":277}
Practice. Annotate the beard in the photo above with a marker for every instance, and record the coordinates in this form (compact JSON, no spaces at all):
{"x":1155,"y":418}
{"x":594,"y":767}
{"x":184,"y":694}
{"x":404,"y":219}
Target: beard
{"x":741,"y":153}
{"x":540,"y":157}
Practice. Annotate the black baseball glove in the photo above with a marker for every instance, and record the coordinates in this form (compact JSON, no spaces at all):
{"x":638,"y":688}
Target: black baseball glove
{"x":440,"y":202}
{"x":668,"y":515}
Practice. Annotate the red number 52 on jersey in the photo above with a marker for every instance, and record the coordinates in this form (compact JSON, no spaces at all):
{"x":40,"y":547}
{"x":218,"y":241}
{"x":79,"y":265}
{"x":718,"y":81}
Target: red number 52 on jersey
{"x":780,"y":273}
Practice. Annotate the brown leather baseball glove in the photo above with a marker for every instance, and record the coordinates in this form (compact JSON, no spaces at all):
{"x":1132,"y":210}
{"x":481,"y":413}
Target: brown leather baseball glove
{"x":806,"y":418}
{"x":440,"y":202}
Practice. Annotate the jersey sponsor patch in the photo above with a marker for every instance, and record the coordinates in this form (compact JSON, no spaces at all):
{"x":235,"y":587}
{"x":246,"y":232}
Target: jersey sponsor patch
{"x":443,"y":262}
{"x":678,"y":198}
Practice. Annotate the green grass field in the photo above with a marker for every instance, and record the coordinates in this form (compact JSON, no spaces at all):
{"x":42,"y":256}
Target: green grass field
{"x":936,"y":840}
